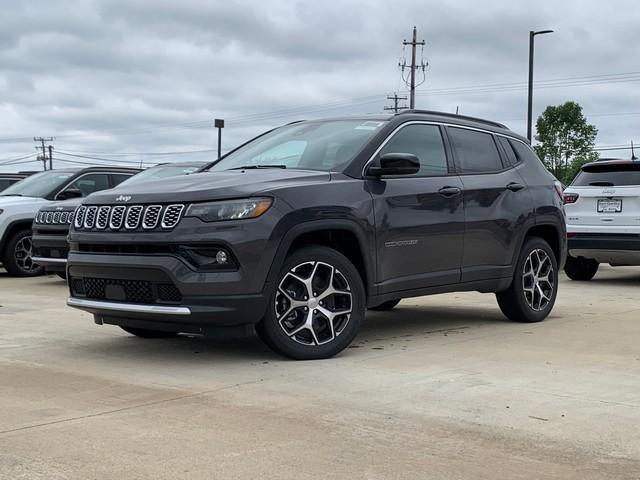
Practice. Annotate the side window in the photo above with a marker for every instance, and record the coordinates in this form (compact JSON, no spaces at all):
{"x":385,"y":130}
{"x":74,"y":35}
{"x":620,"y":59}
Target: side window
{"x":508,"y":150}
{"x":476,"y":152}
{"x":4,"y":183}
{"x":118,"y":178}
{"x":93,"y":182}
{"x":524,"y":153}
{"x":423,"y":141}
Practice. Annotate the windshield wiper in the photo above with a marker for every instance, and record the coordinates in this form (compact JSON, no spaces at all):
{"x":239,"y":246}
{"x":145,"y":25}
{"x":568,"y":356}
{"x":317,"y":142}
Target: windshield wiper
{"x":257,"y":167}
{"x":601,"y":184}
{"x":11,"y":195}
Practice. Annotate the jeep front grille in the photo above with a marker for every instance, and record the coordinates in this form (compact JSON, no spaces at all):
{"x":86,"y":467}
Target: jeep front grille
{"x":45,"y":217}
{"x":128,"y":218}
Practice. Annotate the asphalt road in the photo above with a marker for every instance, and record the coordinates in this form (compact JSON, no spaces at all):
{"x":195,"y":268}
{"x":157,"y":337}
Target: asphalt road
{"x":443,"y":387}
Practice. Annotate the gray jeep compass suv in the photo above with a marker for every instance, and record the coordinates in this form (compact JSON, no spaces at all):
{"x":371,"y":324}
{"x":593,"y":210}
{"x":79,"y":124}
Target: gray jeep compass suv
{"x":301,"y":229}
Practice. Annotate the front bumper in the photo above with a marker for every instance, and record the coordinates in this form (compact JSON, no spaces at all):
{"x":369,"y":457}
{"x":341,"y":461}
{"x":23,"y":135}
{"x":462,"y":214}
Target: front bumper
{"x":615,"y":249}
{"x":160,"y":292}
{"x":50,"y":250}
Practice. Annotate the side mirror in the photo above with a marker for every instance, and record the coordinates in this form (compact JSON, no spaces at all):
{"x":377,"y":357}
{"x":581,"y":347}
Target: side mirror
{"x":395,"y":164}
{"x":69,"y":193}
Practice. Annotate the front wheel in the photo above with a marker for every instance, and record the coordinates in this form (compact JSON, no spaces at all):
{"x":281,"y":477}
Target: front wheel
{"x":18,"y":256}
{"x":580,"y":269}
{"x":534,"y":287}
{"x":316,"y":307}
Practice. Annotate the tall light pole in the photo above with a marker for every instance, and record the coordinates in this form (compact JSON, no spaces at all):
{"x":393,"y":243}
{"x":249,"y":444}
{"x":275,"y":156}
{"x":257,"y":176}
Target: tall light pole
{"x":219,"y":124}
{"x":532,"y":35}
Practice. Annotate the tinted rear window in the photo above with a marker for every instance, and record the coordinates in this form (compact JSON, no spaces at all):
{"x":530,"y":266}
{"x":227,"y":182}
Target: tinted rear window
{"x":476,"y":152}
{"x":608,"y":176}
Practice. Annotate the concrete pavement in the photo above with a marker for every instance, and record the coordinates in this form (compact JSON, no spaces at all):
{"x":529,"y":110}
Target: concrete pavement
{"x":442,"y":387}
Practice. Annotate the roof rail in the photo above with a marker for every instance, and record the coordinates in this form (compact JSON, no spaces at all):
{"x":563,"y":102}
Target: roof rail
{"x":455,"y":115}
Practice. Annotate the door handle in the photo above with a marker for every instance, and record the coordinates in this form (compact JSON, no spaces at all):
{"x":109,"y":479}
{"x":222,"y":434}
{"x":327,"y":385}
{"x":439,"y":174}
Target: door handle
{"x":449,"y":191}
{"x":514,"y":186}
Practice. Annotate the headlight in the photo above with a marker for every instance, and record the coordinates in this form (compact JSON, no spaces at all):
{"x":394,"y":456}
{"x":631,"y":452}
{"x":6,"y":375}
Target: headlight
{"x":229,"y":209}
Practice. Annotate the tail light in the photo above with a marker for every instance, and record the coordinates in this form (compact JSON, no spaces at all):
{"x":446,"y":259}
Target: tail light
{"x":570,"y":198}
{"x":558,"y":187}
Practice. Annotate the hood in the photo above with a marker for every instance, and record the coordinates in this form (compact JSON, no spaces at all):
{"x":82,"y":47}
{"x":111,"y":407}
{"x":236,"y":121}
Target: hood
{"x":70,"y":204}
{"x":207,"y":186}
{"x":20,"y":201}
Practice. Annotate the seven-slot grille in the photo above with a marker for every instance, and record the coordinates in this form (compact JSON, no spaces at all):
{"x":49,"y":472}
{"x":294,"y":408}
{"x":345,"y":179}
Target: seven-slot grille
{"x":54,"y":218}
{"x":121,"y":217}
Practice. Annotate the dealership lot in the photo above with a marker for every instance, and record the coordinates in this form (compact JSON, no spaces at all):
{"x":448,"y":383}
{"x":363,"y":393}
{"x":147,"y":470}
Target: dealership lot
{"x":441,"y":387}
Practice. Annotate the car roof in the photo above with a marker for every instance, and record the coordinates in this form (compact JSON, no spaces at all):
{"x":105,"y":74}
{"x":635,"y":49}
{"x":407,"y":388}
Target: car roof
{"x":433,"y":116}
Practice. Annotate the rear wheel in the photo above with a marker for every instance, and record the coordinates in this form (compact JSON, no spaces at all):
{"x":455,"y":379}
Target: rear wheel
{"x":534,"y":287}
{"x":580,"y":268}
{"x":18,"y":256}
{"x":385,"y":306}
{"x":146,"y":333}
{"x":316,"y":307}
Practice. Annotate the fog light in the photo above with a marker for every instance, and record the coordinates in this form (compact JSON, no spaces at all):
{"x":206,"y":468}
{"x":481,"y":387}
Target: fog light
{"x":221,"y":257}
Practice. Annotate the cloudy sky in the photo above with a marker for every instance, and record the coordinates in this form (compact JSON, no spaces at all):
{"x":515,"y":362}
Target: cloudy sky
{"x":124,"y":79}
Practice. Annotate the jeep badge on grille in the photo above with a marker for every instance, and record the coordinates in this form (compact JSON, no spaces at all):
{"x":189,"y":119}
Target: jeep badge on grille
{"x":123,"y":198}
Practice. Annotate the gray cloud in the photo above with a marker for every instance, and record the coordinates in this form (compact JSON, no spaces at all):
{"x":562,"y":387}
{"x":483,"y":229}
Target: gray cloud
{"x":144,"y":76}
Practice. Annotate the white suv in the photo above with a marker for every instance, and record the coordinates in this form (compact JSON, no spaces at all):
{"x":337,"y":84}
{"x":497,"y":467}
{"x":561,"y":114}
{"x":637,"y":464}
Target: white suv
{"x":21,"y":201}
{"x":603,"y":217}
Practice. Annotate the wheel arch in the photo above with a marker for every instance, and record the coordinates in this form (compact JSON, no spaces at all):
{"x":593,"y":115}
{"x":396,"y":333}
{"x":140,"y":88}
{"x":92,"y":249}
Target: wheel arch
{"x":551,"y":234}
{"x":12,"y":228}
{"x":341,"y":235}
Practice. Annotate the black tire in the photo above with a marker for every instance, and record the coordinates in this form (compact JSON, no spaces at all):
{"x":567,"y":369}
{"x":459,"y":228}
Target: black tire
{"x":580,"y":269}
{"x":521,"y":304}
{"x":385,"y":306}
{"x":320,"y":341}
{"x":17,"y":256}
{"x":145,"y":333}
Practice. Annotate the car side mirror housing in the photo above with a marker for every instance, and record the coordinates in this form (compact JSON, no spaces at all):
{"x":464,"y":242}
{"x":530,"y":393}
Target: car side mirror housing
{"x":394,"y":164}
{"x":69,"y":193}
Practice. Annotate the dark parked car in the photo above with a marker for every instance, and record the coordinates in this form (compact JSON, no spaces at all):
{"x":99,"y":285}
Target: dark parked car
{"x":301,"y":229}
{"x":51,"y":225}
{"x":7,"y":179}
{"x":20,"y":202}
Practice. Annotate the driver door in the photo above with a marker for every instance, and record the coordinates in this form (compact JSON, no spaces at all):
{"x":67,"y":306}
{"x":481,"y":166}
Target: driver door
{"x":419,"y":218}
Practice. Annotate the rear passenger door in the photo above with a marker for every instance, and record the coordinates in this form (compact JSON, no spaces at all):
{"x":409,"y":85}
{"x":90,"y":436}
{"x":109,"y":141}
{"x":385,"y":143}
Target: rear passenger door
{"x":496,"y":204}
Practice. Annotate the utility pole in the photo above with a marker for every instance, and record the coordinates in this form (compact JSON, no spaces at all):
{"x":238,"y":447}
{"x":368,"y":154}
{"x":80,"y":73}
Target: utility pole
{"x":43,"y":149}
{"x":396,"y":107}
{"x":219,"y":124}
{"x":413,"y":67}
{"x":50,"y":157}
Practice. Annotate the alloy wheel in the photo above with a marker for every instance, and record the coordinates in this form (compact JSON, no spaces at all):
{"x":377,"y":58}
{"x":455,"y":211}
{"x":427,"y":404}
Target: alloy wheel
{"x":538,"y":280}
{"x":23,"y":254}
{"x":313,"y":303}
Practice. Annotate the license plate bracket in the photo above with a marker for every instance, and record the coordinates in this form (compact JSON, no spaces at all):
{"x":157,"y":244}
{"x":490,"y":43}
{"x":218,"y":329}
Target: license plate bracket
{"x":609,"y":205}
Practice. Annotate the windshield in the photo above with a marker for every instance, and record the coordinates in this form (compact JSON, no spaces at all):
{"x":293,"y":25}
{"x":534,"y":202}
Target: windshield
{"x":161,"y":171}
{"x":616,"y":175}
{"x":327,"y":145}
{"x":39,"y":185}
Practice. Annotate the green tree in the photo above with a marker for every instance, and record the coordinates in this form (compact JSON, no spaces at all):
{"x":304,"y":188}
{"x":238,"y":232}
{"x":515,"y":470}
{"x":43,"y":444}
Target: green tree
{"x":566,"y":140}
